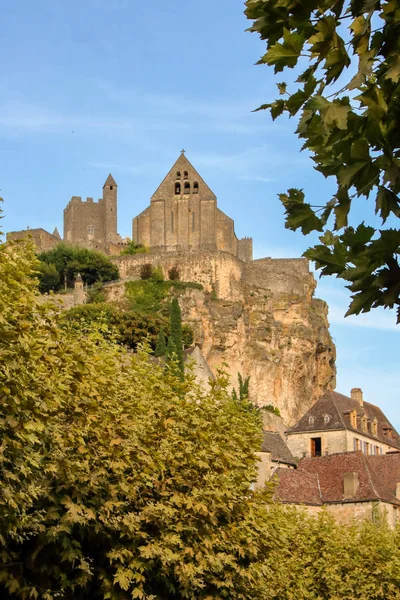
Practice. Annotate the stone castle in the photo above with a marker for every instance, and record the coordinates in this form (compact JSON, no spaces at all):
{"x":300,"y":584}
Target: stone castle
{"x":182,"y":216}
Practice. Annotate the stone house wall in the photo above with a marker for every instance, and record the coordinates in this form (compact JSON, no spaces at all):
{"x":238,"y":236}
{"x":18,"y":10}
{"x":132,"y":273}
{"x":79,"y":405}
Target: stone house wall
{"x":332,"y":442}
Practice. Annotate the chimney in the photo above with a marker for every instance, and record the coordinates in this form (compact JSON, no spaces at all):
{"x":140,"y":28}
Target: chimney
{"x":350,"y":485}
{"x":356,"y":394}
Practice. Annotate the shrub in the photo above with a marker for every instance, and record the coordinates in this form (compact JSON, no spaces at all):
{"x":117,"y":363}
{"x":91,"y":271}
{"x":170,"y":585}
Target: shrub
{"x":173,"y":274}
{"x":146,"y":271}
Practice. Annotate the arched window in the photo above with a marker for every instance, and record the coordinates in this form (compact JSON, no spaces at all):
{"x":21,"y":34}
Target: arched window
{"x":185,"y":174}
{"x":186,"y":189}
{"x":178,"y":174}
{"x":177,"y":188}
{"x":311,"y":420}
{"x":327,"y":418}
{"x":195,"y":188}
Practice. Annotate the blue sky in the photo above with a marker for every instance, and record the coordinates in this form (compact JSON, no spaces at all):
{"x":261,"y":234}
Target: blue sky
{"x":119,"y":85}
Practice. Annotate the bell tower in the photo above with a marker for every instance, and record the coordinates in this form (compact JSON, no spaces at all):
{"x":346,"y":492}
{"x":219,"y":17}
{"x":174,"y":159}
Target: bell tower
{"x":110,"y":209}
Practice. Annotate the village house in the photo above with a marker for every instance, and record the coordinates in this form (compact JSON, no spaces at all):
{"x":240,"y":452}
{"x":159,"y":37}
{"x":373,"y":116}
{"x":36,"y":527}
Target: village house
{"x":338,"y":423}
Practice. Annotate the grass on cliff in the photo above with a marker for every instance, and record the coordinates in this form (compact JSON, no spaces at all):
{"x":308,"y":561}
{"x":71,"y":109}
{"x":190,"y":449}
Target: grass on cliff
{"x":148,"y":296}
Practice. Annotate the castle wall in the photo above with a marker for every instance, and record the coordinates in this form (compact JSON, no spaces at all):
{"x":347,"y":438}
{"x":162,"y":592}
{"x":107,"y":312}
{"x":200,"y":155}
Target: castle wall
{"x":283,"y":276}
{"x":245,"y":249}
{"x":217,"y":271}
{"x":84,"y":223}
{"x":42,"y":239}
{"x":226,"y":238}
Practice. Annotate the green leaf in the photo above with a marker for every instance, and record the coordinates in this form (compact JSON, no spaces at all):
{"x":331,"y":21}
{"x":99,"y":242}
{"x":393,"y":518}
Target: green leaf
{"x":386,"y":203}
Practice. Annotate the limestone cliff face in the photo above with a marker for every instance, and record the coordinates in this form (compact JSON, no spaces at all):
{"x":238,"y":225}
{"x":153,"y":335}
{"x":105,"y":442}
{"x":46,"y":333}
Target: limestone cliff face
{"x":258,"y":319}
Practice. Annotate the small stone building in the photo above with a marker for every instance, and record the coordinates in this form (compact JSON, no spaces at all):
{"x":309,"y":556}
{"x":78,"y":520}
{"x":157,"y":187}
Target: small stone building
{"x":350,"y":485}
{"x":274,"y":455}
{"x":42,"y":239}
{"x":338,"y":423}
{"x":183,"y":215}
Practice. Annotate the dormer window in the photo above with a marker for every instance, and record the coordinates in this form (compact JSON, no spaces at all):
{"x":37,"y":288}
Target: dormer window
{"x":195,"y":188}
{"x":185,"y":174}
{"x":311,"y":420}
{"x":327,"y":418}
{"x":353,"y":419}
{"x":374,"y":427}
{"x":186,"y":189}
{"x":177,"y":188}
{"x":364,"y":424}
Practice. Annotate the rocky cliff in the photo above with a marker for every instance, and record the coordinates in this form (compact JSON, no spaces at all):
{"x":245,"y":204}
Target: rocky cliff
{"x":258,"y":319}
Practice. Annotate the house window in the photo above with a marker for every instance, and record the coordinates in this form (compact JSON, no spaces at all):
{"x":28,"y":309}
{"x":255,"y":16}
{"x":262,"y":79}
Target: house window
{"x":186,"y":189}
{"x":178,"y":174}
{"x":374,"y":427}
{"x":327,"y":418}
{"x":195,"y":188}
{"x":316,"y":446}
{"x":185,"y":174}
{"x":364,"y":423}
{"x":90,"y":230}
{"x":193,"y":221}
{"x":177,"y":188}
{"x":172,"y":222}
{"x":353,"y":419}
{"x":367,"y":448}
{"x":355,"y":444}
{"x":311,"y":420}
{"x":111,"y":187}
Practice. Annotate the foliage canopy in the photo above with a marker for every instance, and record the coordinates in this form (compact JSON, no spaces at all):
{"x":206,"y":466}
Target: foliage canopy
{"x":67,"y":261}
{"x":121,"y":481}
{"x":348,"y":99}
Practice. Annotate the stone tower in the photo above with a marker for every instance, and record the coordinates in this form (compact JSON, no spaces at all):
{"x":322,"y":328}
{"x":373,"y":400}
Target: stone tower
{"x":110,"y":209}
{"x":183,"y":215}
{"x":92,"y":224}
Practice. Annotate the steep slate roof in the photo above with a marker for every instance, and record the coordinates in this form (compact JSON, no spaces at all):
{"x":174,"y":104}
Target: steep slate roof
{"x":183,"y":164}
{"x":326,"y":473}
{"x":273,"y":442}
{"x":339,"y":407}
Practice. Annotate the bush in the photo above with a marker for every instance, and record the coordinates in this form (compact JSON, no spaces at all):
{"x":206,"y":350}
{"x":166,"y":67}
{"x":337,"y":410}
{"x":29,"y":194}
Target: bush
{"x":146,"y":271}
{"x":133,"y":248}
{"x":173,"y":274}
{"x":157,"y":274}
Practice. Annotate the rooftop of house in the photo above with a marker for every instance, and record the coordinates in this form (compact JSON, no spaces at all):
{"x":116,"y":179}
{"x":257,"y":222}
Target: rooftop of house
{"x":334,"y":411}
{"x":320,"y":480}
{"x":273,"y":443}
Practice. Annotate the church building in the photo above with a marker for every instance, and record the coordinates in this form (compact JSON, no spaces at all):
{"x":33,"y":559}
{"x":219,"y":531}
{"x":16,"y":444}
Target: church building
{"x":183,"y":215}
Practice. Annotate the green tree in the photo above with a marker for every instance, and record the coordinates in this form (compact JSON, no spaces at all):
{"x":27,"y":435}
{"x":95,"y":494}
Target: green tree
{"x":161,"y":346}
{"x":119,"y":480}
{"x":243,"y":388}
{"x":133,"y":248}
{"x":71,"y":260}
{"x":49,"y":277}
{"x":348,"y":101}
{"x":175,"y":343}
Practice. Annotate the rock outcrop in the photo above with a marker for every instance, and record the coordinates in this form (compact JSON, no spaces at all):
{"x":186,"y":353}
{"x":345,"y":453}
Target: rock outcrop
{"x":259,"y":319}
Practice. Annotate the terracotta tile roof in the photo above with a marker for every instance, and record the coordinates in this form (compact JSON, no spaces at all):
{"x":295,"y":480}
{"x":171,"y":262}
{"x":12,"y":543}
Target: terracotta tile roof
{"x":297,"y":487}
{"x":338,"y":407}
{"x":274,"y":443}
{"x":320,"y":480}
